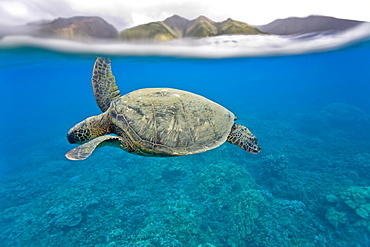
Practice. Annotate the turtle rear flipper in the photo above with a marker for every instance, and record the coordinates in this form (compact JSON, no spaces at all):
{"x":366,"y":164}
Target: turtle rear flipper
{"x":242,"y":137}
{"x":104,"y":83}
{"x":85,"y":150}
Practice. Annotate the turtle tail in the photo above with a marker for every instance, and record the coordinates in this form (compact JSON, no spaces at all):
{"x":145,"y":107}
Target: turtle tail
{"x":104,"y":83}
{"x":242,"y":137}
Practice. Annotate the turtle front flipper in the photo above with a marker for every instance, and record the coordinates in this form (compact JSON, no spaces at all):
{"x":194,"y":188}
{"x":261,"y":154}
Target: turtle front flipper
{"x":242,"y":137}
{"x":86,"y":149}
{"x":104,"y":83}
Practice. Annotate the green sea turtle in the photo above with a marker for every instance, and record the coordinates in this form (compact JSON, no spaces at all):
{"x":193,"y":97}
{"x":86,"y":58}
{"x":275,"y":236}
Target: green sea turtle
{"x":154,"y":121}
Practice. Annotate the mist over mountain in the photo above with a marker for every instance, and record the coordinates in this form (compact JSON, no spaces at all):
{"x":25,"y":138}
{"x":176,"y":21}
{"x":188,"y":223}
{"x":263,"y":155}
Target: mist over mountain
{"x":310,"y":24}
{"x":80,"y":28}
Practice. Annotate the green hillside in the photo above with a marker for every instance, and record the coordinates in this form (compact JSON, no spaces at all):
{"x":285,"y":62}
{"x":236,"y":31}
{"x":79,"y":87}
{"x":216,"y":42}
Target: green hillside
{"x":236,"y":27}
{"x":201,"y":27}
{"x":176,"y":27}
{"x":155,"y":31}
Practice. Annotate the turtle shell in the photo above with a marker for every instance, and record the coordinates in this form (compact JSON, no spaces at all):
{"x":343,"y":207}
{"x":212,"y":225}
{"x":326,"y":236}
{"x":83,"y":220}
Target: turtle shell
{"x":170,"y":122}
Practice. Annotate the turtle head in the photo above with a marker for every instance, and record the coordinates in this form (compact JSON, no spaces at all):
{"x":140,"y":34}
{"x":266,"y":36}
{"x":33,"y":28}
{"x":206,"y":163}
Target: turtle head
{"x":80,"y":133}
{"x":88,"y":129}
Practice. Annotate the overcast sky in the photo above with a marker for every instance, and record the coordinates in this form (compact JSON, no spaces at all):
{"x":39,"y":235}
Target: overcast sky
{"x":128,"y":13}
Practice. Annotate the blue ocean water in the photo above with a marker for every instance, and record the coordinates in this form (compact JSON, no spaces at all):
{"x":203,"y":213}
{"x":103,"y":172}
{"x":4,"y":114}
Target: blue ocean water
{"x":309,"y":186}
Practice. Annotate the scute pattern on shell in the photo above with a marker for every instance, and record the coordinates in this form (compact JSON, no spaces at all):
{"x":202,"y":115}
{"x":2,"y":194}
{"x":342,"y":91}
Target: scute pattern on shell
{"x":164,"y":120}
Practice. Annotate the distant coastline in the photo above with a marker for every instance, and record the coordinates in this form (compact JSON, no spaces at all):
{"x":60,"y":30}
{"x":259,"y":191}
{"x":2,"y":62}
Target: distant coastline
{"x":93,"y":28}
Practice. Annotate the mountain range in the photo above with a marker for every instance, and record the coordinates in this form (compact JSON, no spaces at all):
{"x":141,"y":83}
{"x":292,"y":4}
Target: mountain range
{"x":81,"y":28}
{"x":310,"y":24}
{"x":87,"y":28}
{"x":176,"y":27}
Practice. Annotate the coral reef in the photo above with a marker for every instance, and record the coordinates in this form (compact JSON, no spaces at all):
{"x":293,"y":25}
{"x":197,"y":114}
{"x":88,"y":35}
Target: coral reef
{"x":333,"y":119}
{"x":274,"y":166}
{"x":361,"y":162}
{"x":302,"y":190}
{"x":342,"y":115}
{"x":352,"y":207}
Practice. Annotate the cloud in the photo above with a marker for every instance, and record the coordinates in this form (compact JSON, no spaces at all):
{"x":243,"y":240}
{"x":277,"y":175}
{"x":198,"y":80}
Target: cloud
{"x":24,"y":11}
{"x":137,"y":12}
{"x":253,"y":12}
{"x":20,"y":12}
{"x":123,"y":14}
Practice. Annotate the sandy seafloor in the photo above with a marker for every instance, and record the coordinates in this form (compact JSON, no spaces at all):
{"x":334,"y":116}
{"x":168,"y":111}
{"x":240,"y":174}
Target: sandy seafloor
{"x":309,"y":186}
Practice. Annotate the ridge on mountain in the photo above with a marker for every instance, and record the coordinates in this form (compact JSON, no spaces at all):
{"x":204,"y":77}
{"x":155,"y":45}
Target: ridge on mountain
{"x":175,"y":27}
{"x":177,"y":23}
{"x":78,"y":27}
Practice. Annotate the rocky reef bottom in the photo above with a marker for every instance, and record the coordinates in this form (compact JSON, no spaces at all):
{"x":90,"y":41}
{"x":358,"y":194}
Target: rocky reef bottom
{"x":310,"y":186}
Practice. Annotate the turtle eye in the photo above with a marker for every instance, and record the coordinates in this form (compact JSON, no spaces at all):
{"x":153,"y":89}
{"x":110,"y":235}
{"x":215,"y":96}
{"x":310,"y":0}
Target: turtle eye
{"x":71,"y":138}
